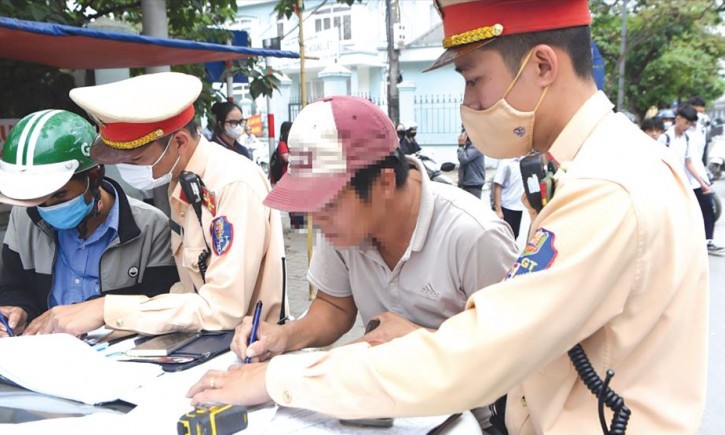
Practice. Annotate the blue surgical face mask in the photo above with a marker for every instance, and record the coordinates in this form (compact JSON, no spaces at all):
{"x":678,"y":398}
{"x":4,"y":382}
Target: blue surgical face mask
{"x":67,"y":214}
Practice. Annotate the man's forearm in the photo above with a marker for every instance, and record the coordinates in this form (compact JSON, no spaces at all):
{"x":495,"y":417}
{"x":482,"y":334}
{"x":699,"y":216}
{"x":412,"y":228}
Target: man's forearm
{"x":322,"y":326}
{"x":496,"y":196}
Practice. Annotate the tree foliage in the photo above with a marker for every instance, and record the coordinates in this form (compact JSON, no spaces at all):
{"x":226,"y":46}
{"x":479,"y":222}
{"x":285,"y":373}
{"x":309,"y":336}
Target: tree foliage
{"x":28,"y":87}
{"x":287,"y":8}
{"x":673,"y":50}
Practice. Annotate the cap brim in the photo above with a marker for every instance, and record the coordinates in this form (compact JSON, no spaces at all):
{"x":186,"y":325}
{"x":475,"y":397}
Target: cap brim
{"x":305,"y":194}
{"x":103,"y":154}
{"x":24,"y":202}
{"x":454,"y":53}
{"x":15,"y":188}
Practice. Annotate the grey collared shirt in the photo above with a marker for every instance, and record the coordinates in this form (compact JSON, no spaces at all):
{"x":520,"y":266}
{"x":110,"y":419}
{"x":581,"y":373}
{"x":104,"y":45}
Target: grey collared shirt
{"x":458,"y":247}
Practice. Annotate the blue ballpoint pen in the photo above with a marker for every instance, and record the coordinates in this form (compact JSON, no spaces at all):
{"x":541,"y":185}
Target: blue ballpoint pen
{"x":8,"y":329}
{"x":255,"y":327}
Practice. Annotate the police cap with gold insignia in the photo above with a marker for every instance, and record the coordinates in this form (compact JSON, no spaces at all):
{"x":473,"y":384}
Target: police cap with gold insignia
{"x":135,"y":112}
{"x":470,"y":24}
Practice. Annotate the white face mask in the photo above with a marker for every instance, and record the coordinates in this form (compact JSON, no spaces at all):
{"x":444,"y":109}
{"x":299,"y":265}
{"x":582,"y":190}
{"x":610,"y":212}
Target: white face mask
{"x":668,"y":124}
{"x":501,"y":131}
{"x":233,"y":132}
{"x":142,"y":176}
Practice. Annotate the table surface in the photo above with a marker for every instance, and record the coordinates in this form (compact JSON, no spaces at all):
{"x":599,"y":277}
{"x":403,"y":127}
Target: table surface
{"x":161,"y":402}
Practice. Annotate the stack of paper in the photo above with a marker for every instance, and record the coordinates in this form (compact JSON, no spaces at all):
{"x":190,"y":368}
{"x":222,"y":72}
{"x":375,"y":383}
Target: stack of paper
{"x":63,"y":366}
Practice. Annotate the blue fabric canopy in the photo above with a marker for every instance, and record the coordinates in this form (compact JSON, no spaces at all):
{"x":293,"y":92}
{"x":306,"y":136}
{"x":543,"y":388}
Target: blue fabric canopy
{"x":80,"y":48}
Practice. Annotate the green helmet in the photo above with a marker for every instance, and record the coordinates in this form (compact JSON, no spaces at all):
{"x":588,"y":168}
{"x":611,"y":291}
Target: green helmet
{"x":42,"y":153}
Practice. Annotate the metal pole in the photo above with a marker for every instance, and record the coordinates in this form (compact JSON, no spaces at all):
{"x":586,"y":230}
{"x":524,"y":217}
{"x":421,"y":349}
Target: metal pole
{"x":303,"y":103}
{"x":622,"y":52}
{"x":229,"y":78}
{"x":393,"y":67}
{"x":155,"y":23}
{"x":270,"y":118}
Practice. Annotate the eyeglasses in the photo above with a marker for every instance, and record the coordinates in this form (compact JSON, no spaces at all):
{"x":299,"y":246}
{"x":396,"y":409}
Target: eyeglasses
{"x":235,"y":122}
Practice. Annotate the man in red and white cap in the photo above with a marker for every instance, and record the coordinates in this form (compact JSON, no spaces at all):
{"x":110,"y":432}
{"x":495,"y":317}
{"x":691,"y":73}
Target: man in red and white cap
{"x":228,"y":246}
{"x":615,"y":261}
{"x":400,"y":249}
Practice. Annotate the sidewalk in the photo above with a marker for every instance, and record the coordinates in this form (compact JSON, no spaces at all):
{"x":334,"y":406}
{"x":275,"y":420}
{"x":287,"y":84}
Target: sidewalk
{"x":295,"y":244}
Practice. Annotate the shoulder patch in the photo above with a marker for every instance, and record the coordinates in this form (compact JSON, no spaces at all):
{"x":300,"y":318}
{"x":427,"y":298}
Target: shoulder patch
{"x":222,"y":235}
{"x":539,"y":254}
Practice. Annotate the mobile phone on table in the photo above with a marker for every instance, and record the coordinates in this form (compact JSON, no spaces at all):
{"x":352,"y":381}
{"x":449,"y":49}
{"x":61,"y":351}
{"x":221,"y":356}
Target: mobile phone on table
{"x":163,"y":345}
{"x":368,"y":422}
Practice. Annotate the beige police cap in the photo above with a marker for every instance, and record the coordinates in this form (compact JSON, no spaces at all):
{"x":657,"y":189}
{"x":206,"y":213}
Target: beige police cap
{"x":134,"y":112}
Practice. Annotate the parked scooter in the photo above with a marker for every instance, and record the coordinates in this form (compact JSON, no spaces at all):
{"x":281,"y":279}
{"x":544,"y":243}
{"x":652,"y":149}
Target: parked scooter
{"x":435,"y":172}
{"x":716,"y":156}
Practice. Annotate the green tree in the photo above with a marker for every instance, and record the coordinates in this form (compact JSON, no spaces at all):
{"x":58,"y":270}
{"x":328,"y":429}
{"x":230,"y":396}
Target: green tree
{"x":28,"y":87}
{"x":673,"y":50}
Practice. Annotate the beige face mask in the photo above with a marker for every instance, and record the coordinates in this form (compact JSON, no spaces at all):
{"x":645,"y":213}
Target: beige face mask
{"x":501,"y":131}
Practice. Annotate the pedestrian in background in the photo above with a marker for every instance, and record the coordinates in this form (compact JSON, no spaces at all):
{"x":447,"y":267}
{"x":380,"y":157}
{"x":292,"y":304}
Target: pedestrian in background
{"x":408,"y":144}
{"x":507,"y":188}
{"x":654,"y":127}
{"x":228,"y":127}
{"x":471,"y":172}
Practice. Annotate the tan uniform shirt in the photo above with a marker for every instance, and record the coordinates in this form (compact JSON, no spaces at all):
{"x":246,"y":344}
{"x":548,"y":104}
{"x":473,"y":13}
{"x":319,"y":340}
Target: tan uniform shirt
{"x":246,"y":253}
{"x":458,"y":246}
{"x":617,"y":264}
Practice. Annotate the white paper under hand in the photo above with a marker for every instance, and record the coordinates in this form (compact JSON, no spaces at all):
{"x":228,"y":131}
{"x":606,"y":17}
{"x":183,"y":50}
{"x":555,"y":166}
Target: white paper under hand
{"x":63,"y":366}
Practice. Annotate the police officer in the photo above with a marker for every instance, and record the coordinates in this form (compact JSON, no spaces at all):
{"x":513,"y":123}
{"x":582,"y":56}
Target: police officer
{"x":227,"y":245}
{"x":74,"y":236}
{"x":614,"y":261}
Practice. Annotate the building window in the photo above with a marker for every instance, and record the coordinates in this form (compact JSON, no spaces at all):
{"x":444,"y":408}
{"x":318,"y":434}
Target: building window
{"x":334,"y":16}
{"x":280,"y":30}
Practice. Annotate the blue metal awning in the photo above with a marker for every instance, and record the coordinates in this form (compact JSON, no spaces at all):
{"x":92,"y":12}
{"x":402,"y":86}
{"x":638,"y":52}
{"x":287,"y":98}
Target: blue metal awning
{"x":80,"y":48}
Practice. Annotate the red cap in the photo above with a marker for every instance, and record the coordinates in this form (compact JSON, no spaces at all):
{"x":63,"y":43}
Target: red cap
{"x":469,"y":24}
{"x":330,"y":140}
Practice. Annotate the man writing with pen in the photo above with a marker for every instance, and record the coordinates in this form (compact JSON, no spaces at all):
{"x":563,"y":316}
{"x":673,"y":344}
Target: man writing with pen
{"x":227,"y":246}
{"x":74,"y":235}
{"x":398,"y":248}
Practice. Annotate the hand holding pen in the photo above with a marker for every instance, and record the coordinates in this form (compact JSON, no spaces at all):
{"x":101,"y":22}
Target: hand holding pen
{"x":255,"y":328}
{"x":14,"y":320}
{"x":6,"y":325}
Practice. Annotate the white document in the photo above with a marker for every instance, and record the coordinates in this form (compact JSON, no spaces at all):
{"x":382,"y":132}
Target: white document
{"x":304,"y":422}
{"x":63,"y":366}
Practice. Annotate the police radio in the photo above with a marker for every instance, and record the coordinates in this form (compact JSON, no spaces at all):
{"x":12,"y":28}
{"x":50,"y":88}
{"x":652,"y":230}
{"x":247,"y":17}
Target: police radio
{"x":537,"y":173}
{"x":191,"y":188}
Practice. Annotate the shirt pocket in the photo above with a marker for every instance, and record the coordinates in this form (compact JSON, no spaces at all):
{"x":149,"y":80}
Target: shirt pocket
{"x":190,"y":258}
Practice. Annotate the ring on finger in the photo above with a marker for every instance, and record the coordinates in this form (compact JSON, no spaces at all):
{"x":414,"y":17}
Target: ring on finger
{"x":212,"y":383}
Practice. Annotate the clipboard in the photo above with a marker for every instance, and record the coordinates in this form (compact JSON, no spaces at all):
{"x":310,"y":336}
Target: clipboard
{"x":208,"y":345}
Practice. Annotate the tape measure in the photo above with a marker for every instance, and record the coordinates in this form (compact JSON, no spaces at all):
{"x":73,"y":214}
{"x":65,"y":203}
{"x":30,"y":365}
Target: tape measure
{"x":213,"y":420}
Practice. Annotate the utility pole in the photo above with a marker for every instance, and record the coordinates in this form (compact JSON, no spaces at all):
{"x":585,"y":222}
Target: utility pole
{"x":301,"y":25}
{"x":622,"y":57}
{"x":303,"y":103}
{"x":391,"y":17}
{"x":156,"y":23}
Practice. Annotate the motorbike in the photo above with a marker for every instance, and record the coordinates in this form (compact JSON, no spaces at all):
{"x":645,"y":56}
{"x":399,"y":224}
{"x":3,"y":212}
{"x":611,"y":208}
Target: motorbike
{"x":716,"y":156}
{"x":435,"y":171}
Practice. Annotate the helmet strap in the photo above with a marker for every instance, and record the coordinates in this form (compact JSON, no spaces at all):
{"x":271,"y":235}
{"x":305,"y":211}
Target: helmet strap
{"x":95,"y":188}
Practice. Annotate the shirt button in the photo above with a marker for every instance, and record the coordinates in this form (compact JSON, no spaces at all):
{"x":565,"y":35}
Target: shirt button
{"x":77,"y":281}
{"x":119,"y":323}
{"x":523,"y":401}
{"x":287,"y":397}
{"x":182,"y":213}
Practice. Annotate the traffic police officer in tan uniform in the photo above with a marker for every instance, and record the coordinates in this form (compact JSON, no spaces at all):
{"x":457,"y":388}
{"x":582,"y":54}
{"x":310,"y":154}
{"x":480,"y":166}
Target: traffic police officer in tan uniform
{"x":230,"y":254}
{"x":614,"y":262}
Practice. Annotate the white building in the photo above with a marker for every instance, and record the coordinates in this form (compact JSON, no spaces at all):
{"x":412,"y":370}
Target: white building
{"x":350,"y":45}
